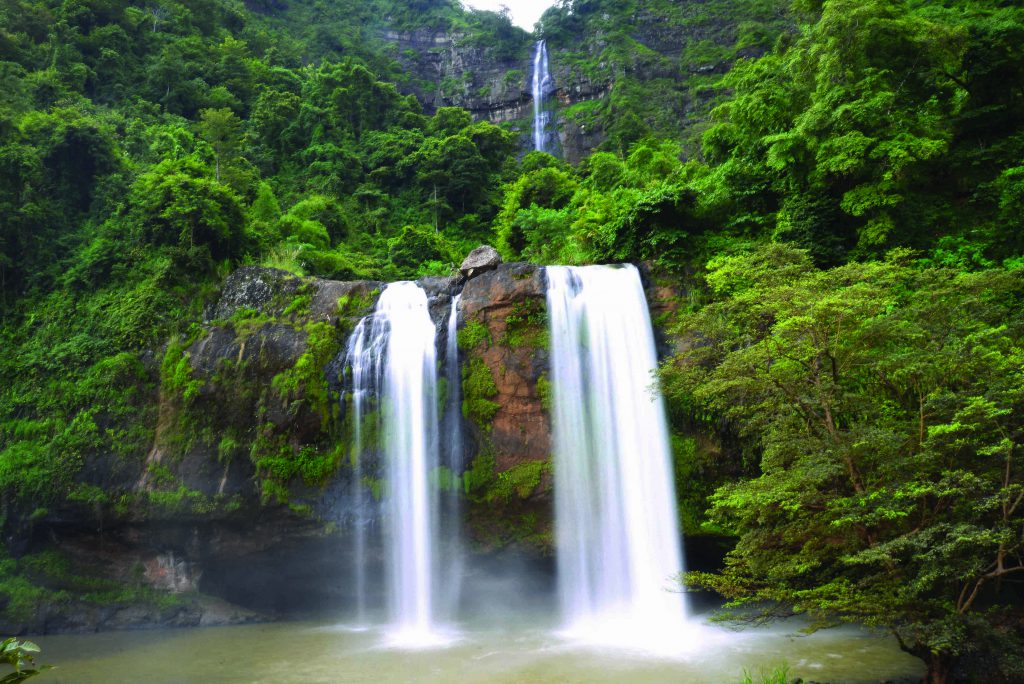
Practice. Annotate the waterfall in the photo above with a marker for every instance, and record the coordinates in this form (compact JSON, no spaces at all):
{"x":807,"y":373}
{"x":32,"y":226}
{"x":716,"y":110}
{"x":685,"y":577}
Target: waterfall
{"x":541,"y":84}
{"x":453,"y":462}
{"x":392,"y":353}
{"x":365,"y":370}
{"x":616,"y":521}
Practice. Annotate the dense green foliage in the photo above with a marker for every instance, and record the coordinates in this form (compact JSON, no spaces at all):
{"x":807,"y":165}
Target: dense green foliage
{"x":840,"y":183}
{"x":146,"y":152}
{"x":886,"y":400}
{"x":665,"y":59}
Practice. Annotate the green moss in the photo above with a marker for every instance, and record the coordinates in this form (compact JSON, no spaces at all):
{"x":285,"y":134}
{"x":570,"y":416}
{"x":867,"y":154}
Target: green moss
{"x":160,"y":475}
{"x":272,"y":491}
{"x":299,"y":306}
{"x":227,"y":448}
{"x":24,"y":599}
{"x":357,"y":305}
{"x":583,"y":113}
{"x":479,"y":478}
{"x":246,"y":321}
{"x":519,"y":481}
{"x":474,"y":334}
{"x":34,"y":472}
{"x":176,"y":374}
{"x":484,"y":484}
{"x":88,"y":494}
{"x":278,"y":464}
{"x":442,"y":392}
{"x":302,"y":510}
{"x":445,"y":479}
{"x":305,"y":381}
{"x":375,"y":485}
{"x":369,"y":431}
{"x":544,"y":392}
{"x":316,"y":467}
{"x":527,"y":325}
{"x":180,"y":500}
{"x":351,"y":308}
{"x":696,"y":477}
{"x":478,"y":388}
{"x":50,"y":577}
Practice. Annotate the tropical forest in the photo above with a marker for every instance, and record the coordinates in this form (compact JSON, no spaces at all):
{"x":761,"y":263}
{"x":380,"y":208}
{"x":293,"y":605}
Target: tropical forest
{"x":579,"y":341}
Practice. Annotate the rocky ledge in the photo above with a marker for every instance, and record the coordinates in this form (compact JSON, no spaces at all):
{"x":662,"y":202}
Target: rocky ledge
{"x":241,"y":509}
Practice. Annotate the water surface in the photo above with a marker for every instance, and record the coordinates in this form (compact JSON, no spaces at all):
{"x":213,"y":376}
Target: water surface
{"x":310,"y":652}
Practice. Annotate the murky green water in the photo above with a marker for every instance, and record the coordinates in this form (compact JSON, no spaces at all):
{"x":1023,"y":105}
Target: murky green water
{"x":308,"y":653}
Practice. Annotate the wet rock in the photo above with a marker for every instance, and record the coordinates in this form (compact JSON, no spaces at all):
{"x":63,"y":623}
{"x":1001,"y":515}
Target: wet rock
{"x":253,"y":554}
{"x":171,"y":573}
{"x":334,"y":298}
{"x":258,"y":288}
{"x":482,"y":259}
{"x":506,"y":306}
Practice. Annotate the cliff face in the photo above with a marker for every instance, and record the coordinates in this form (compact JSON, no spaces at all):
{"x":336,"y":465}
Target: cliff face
{"x":247,"y":491}
{"x":503,"y":343}
{"x":617,"y":75}
{"x":449,"y":71}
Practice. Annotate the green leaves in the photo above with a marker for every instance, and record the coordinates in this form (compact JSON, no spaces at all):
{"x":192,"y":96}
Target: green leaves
{"x":21,"y":656}
{"x":885,"y":402}
{"x":868,"y":111}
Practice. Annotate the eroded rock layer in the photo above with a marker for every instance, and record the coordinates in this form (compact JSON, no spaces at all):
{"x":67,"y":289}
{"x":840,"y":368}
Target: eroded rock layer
{"x":247,"y":490}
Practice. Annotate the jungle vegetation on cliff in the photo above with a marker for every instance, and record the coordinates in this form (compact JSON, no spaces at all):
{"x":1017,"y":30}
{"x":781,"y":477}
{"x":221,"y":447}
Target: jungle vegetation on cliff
{"x":841,"y":190}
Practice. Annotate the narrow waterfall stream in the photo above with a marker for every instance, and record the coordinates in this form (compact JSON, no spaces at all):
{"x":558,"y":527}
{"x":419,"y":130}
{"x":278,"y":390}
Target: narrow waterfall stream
{"x":541,"y":84}
{"x":364,"y":364}
{"x":617,"y":535}
{"x":393,"y":352}
{"x":452,"y":560}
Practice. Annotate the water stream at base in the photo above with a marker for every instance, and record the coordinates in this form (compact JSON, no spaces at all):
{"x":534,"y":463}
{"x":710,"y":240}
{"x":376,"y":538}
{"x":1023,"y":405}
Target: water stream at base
{"x":520,"y":650}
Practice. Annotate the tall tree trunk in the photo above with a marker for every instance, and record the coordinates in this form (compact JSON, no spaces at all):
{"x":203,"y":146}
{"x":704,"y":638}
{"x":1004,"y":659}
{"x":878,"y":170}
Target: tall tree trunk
{"x":940,"y":667}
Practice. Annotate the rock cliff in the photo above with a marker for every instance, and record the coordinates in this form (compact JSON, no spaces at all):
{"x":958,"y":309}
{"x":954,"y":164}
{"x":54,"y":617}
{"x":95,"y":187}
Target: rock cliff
{"x":617,"y":75}
{"x":247,"y":490}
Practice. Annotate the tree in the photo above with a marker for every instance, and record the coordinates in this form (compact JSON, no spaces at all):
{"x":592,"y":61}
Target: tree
{"x":545,"y":188}
{"x":222,"y":129}
{"x":416,"y":245}
{"x":886,"y":403}
{"x":867,"y":111}
{"x":178,"y":203}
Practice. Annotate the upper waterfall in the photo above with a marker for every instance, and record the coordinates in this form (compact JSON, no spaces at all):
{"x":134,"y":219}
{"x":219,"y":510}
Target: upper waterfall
{"x":618,"y":539}
{"x":541,"y":85}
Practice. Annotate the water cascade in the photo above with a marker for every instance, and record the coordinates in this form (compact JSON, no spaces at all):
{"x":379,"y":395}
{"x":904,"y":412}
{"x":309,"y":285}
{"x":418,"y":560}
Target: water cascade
{"x":541,"y":85}
{"x":392,"y":355}
{"x":364,"y":365}
{"x":616,"y":527}
{"x":452,"y":569}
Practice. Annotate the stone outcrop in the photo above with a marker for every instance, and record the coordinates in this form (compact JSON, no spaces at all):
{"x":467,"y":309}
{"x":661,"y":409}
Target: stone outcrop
{"x":482,"y":259}
{"x":504,"y":347}
{"x":246,"y":492}
{"x":509,"y":303}
{"x":455,"y":69}
{"x":463,"y":73}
